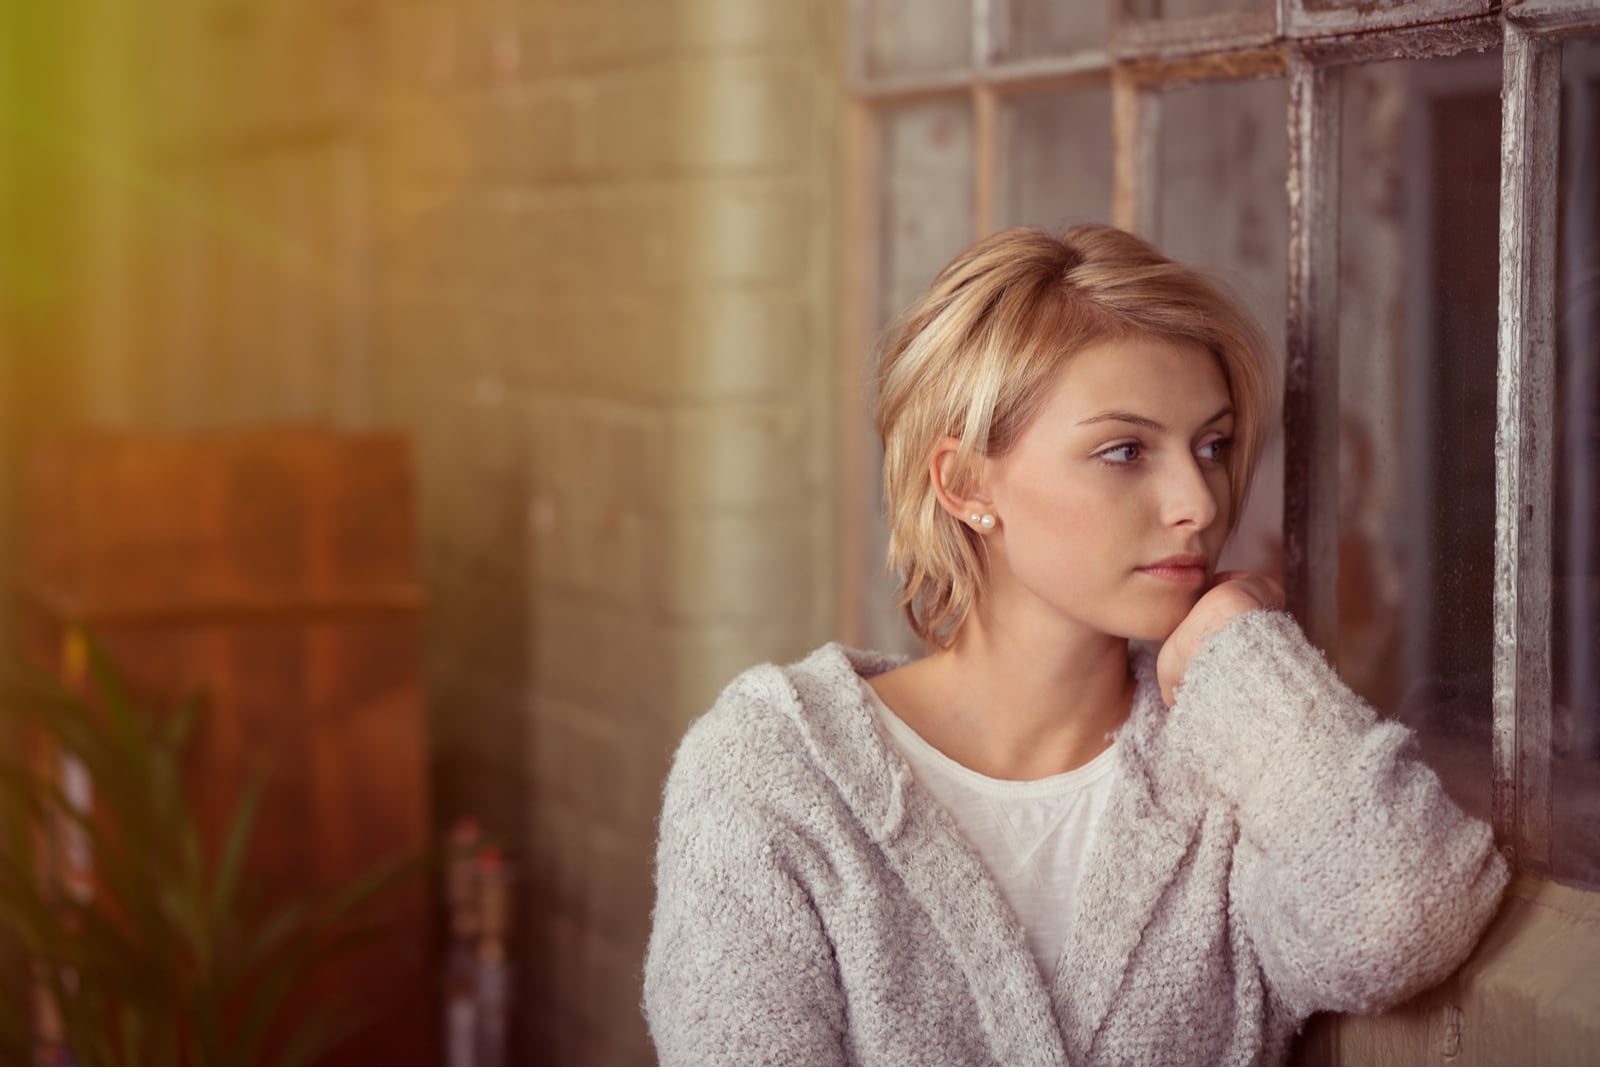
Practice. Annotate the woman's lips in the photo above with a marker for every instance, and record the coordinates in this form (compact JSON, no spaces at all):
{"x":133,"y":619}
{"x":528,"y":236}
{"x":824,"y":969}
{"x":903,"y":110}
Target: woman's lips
{"x":1183,"y":570}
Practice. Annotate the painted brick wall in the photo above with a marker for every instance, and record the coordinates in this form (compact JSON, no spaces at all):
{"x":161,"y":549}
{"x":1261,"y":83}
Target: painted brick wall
{"x":606,"y":309}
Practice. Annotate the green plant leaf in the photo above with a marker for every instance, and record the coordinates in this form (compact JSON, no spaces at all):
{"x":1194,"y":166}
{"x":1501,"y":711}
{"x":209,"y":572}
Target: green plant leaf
{"x":179,"y":727}
{"x":314,"y":915}
{"x":123,"y":719}
{"x":282,"y":926}
{"x":133,"y":1032}
{"x":172,"y":960}
{"x":359,"y":891}
{"x":302,"y":960}
{"x":235,"y":848}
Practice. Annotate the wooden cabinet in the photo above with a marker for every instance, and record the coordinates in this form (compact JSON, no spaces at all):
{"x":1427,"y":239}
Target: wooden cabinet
{"x":273,"y":573}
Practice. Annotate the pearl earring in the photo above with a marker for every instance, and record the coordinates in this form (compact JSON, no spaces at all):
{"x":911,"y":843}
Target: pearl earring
{"x":985,"y":521}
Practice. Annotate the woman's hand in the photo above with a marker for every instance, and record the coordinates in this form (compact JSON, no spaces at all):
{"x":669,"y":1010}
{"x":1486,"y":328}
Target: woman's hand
{"x":1231,"y":593}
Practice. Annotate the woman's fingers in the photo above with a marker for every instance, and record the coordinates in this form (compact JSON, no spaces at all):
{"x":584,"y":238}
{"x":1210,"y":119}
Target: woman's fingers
{"x":1267,"y":590}
{"x":1233,"y":593}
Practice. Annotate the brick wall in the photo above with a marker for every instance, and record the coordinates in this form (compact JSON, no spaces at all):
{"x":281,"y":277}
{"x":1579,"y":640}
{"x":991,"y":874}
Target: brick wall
{"x":606,"y":301}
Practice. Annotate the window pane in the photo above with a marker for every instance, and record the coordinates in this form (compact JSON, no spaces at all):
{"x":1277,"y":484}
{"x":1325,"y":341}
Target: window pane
{"x":927,"y":196}
{"x":926,"y":213}
{"x":1575,"y":645}
{"x":1031,"y":28}
{"x":1224,"y":206}
{"x":1419,"y":286}
{"x":917,"y":36}
{"x":1056,"y":163}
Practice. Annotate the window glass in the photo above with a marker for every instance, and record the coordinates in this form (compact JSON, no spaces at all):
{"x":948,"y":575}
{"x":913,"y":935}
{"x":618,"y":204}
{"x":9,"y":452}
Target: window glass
{"x":1028,"y":29}
{"x":1224,"y":206}
{"x":1418,"y":300}
{"x":917,"y":36}
{"x":1056,"y":167}
{"x":926,"y":216}
{"x":926,"y":204}
{"x":1575,"y":534}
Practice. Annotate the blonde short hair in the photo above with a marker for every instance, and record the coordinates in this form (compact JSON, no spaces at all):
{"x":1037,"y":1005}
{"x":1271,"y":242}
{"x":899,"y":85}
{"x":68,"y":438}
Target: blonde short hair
{"x":976,"y":356}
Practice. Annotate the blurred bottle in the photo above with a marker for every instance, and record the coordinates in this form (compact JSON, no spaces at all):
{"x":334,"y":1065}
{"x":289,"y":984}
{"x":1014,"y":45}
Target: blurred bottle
{"x":460,"y":980}
{"x":493,"y":967}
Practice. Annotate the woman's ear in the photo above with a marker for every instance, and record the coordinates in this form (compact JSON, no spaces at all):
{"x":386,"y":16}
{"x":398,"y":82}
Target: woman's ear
{"x":963,"y":496}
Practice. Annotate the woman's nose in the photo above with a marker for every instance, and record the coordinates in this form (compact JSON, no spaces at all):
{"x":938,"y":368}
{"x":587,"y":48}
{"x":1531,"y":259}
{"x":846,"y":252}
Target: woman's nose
{"x":1188,"y":498}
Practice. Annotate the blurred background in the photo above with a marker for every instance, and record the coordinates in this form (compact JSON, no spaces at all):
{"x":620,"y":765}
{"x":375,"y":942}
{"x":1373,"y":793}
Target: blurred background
{"x":458,"y":393}
{"x":495,"y":336}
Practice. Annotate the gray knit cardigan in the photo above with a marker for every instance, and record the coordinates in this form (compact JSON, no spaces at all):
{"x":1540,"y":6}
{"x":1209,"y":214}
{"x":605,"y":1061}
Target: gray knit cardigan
{"x":1271,"y":849}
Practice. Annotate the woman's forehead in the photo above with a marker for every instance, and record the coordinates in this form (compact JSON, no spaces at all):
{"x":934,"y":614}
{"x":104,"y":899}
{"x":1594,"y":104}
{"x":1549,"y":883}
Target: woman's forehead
{"x":1143,"y":375}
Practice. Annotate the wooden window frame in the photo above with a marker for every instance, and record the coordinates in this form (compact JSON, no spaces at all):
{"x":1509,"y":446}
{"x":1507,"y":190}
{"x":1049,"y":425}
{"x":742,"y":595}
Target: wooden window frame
{"x":1524,"y":469}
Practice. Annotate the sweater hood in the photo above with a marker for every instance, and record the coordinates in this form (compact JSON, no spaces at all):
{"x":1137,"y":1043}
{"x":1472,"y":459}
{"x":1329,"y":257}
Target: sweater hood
{"x":824,"y":697}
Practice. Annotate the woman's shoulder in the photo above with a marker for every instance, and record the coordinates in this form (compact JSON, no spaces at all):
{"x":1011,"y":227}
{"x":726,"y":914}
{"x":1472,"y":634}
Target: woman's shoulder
{"x":775,"y":735}
{"x":764,"y":708}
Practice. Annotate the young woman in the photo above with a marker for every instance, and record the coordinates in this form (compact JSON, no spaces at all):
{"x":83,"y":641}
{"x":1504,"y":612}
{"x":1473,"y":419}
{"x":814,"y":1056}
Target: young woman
{"x":1038,"y":844}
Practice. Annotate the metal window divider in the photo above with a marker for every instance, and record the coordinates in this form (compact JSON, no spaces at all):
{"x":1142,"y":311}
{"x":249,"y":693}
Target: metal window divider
{"x":1311,"y":366}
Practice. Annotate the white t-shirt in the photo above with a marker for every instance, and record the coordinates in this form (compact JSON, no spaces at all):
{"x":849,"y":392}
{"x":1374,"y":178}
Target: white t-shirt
{"x":1033,"y":837}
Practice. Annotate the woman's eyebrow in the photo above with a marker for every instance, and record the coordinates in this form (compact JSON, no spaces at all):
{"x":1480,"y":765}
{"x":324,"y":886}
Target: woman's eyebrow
{"x":1111,"y":415}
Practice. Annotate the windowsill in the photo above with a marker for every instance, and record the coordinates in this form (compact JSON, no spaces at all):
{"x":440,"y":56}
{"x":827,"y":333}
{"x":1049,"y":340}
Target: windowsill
{"x":1527,"y":995}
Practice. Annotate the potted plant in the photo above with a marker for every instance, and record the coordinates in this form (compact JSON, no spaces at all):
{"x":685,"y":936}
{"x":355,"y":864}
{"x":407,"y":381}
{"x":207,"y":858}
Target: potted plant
{"x":164,"y":951}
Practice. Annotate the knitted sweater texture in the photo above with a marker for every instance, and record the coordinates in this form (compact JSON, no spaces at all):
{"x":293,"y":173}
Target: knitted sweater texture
{"x":1272,"y":849}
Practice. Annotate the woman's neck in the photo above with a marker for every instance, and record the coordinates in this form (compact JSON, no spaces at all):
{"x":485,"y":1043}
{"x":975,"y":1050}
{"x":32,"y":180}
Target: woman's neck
{"x":1015,"y":706}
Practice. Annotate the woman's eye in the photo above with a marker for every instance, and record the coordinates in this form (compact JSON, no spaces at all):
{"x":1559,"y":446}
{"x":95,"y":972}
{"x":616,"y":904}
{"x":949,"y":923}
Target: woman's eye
{"x":1216,"y":449}
{"x":1122,"y":454}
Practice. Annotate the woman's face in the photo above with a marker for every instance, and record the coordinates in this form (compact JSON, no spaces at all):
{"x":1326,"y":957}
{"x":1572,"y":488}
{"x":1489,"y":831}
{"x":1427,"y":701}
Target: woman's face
{"x":1113,"y":503}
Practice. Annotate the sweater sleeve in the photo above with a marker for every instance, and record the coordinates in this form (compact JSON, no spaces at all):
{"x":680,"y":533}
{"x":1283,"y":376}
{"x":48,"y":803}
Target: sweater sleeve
{"x":739,"y":970}
{"x":1356,"y":878}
